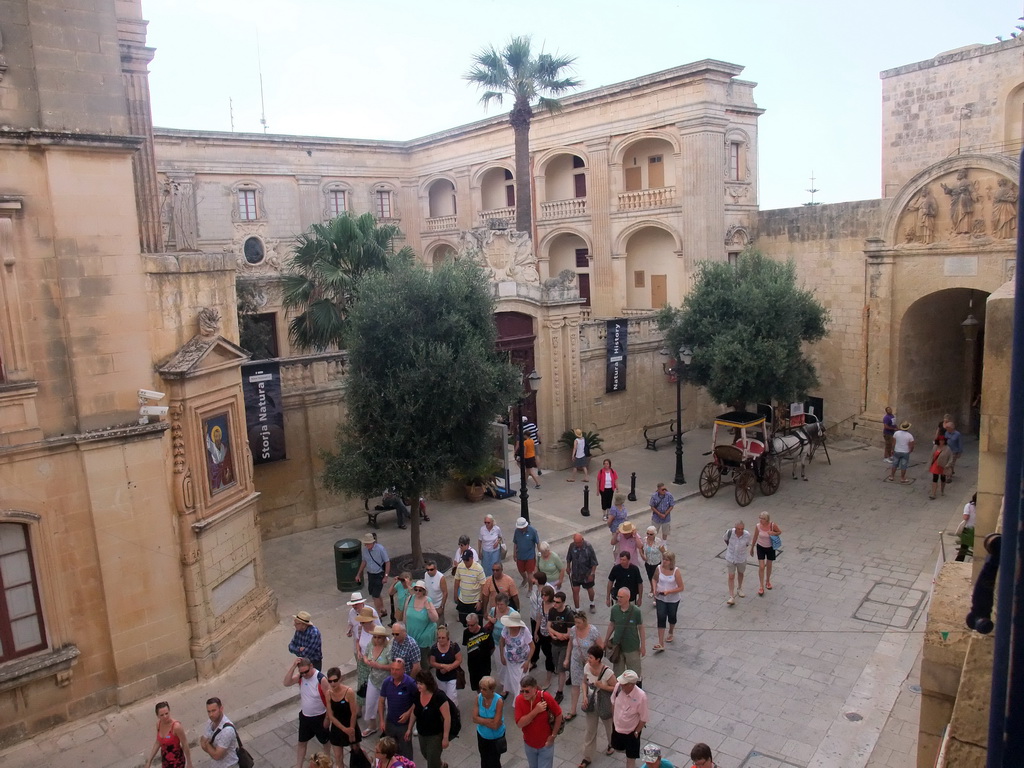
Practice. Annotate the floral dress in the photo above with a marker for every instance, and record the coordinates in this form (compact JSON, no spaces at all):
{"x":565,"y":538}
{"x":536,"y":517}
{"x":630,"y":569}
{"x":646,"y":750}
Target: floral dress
{"x":579,"y":652}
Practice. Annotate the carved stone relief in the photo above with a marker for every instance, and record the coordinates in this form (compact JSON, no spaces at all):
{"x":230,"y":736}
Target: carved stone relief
{"x":737,"y":236}
{"x":737,"y":192}
{"x":507,"y":254}
{"x":966,"y":204}
{"x":255,"y":254}
{"x":181,"y":232}
{"x":3,"y":61}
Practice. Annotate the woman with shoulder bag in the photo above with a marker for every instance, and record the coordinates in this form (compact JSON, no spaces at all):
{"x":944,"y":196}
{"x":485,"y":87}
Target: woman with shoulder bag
{"x":490,"y":726}
{"x":596,"y":690}
{"x":941,"y":459}
{"x":668,"y":591}
{"x":765,"y":546}
{"x":445,"y":659}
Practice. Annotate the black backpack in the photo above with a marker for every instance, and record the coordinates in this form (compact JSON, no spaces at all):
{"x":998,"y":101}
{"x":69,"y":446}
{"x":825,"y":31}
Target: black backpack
{"x":455,"y":726}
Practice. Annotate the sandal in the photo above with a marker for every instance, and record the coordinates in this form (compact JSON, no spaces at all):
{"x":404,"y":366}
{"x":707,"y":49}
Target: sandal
{"x":760,"y":591}
{"x":584,"y":763}
{"x":570,"y":717}
{"x":670,"y":638}
{"x":369,"y":732}
{"x":609,"y":751}
{"x":659,"y":648}
{"x":768,"y":585}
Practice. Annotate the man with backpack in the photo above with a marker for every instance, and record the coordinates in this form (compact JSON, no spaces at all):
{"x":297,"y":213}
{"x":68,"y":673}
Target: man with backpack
{"x":313,"y":705}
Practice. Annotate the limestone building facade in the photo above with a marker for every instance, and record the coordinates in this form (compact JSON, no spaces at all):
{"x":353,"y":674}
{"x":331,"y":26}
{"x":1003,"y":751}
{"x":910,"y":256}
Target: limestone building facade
{"x":117,"y":577}
{"x":635,"y":183}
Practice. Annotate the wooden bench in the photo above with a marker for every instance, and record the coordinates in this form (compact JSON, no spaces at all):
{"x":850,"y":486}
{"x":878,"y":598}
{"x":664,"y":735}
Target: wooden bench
{"x":379,"y":508}
{"x":655,"y":432}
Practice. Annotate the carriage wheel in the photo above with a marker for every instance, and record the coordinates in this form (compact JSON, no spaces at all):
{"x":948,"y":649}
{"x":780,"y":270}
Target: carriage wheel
{"x":745,"y":482}
{"x":710,"y":480}
{"x":770,"y":479}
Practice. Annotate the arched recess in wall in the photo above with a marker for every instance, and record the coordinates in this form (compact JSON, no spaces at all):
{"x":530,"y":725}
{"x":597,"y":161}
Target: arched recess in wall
{"x":648,"y":161}
{"x":562,"y":181}
{"x":1013,"y":119}
{"x":939,"y":369}
{"x":439,"y":253}
{"x":517,"y":336}
{"x":497,"y":193}
{"x":653,"y":275}
{"x":440,"y":194}
{"x":569,"y":249}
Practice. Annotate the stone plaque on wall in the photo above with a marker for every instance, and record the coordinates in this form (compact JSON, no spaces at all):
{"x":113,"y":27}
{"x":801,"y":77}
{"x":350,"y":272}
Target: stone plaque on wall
{"x":960,"y":266}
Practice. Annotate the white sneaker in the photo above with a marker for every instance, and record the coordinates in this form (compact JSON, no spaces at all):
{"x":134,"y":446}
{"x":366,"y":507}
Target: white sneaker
{"x":740,"y":593}
{"x":887,"y":461}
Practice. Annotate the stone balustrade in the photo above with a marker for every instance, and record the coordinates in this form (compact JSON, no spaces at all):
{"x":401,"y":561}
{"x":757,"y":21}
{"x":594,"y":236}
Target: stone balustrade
{"x":507,"y":215}
{"x":440,"y":223}
{"x":560,"y":209}
{"x":638,"y":312}
{"x":643,"y":332}
{"x":643,"y":199}
{"x":312,"y":372}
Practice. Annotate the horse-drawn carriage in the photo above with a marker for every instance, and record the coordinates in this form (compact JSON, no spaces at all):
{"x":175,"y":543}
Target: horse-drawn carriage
{"x":747,"y":451}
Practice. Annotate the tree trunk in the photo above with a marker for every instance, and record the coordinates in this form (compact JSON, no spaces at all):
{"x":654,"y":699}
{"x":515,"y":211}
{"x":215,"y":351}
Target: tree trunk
{"x":520,"y":119}
{"x":416,"y":548}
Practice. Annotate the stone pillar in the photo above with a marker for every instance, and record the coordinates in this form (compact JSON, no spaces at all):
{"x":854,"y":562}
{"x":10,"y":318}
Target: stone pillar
{"x":603,"y":285}
{"x":135,"y":58}
{"x":311,"y":202}
{"x":463,"y":199}
{"x":699,"y":186}
{"x":881,"y":355}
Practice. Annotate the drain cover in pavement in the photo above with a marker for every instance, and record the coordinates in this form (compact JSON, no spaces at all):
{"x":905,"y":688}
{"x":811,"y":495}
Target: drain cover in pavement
{"x":761,"y":760}
{"x":891,"y":605}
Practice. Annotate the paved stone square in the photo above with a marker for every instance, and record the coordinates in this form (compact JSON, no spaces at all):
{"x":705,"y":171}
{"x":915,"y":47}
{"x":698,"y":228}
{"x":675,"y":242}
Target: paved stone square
{"x":817,"y":672}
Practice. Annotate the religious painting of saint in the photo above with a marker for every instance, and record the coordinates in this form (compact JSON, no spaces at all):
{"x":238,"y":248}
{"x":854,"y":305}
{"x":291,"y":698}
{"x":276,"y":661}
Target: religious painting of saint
{"x":220,"y":463}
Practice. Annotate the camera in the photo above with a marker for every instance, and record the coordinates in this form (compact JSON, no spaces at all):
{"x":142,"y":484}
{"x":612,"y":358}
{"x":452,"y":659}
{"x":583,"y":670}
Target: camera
{"x":153,"y":410}
{"x":149,"y":394}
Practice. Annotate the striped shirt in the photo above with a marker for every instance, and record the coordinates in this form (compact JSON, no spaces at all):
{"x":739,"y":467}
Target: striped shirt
{"x":471,"y":581}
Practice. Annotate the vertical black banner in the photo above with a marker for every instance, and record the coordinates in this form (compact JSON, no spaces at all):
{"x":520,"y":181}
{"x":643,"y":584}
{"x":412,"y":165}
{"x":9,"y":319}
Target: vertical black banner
{"x":264,"y":411}
{"x":615,"y":380}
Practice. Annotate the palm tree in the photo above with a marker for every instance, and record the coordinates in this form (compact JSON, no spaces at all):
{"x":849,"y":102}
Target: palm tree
{"x":514,"y":72}
{"x":322,"y":276}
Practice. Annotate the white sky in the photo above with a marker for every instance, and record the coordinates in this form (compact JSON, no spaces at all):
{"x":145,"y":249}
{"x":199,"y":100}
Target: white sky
{"x":393,"y":70}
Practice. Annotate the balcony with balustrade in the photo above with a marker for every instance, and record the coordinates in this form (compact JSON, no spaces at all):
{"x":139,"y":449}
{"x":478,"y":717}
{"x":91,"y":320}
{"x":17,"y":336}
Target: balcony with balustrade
{"x":646,"y":199}
{"x":498,"y":218}
{"x":440,"y":223}
{"x":563,"y":209}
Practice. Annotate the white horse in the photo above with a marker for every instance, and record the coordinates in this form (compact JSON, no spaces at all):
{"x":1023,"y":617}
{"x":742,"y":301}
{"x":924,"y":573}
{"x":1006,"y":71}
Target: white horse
{"x":789,"y":448}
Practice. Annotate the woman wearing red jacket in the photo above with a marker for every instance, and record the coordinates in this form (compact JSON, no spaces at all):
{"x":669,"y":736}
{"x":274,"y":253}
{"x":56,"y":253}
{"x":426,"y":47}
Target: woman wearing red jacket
{"x":607,"y":484}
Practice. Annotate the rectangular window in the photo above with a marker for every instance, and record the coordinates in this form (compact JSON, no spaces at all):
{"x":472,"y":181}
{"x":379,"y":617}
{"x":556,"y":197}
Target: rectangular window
{"x":510,"y":195}
{"x":655,"y":172}
{"x":336,"y":202}
{"x":383,"y":204}
{"x":21,"y":619}
{"x":247,"y":204}
{"x":579,"y":183}
{"x":735,"y":165}
{"x":582,"y":258}
{"x":639,"y":279}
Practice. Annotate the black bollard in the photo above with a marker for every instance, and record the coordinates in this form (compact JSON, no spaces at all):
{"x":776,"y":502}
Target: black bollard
{"x":632,"y":487}
{"x":585,"y":509}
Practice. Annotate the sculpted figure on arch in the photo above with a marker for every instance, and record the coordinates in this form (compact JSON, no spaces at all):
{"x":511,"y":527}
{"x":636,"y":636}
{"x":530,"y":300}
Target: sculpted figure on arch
{"x":963,"y":195}
{"x":1004,"y":209}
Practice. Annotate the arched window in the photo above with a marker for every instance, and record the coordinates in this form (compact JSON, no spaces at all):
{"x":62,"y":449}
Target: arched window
{"x":21,"y":615}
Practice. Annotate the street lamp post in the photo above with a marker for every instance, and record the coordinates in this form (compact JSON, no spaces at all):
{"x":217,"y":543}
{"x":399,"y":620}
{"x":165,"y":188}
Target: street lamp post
{"x":683,"y":359}
{"x":524,"y":496}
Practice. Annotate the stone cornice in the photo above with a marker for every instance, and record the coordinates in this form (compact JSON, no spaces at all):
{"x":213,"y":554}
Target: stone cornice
{"x":961,"y":54}
{"x":37,"y":137}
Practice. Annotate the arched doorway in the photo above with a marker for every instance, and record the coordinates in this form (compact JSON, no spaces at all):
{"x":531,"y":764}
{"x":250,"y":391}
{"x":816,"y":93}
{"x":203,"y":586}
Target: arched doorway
{"x":516,"y":338}
{"x":941,"y":360}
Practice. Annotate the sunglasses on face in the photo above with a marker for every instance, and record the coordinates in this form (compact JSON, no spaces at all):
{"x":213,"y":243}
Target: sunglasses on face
{"x":333,"y":680}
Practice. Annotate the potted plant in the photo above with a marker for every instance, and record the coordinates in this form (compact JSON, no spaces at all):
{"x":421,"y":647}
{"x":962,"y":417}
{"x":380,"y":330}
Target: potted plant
{"x":477,"y":478}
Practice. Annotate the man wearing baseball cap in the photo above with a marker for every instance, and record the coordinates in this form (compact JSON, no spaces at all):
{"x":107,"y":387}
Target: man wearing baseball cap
{"x":629,"y":716}
{"x":306,"y":641}
{"x":652,"y":757}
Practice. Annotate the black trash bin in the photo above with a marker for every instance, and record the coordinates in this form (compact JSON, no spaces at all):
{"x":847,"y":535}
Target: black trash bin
{"x":346,"y":563}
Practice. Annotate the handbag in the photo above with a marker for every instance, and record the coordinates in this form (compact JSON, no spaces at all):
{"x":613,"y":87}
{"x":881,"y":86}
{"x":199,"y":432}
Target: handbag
{"x":501,"y":744}
{"x":502,"y":548}
{"x":614,"y":652}
{"x":245,"y":759}
{"x":776,"y":540}
{"x":361,"y":690}
{"x":460,"y":678}
{"x":357,"y":758}
{"x":590,"y":703}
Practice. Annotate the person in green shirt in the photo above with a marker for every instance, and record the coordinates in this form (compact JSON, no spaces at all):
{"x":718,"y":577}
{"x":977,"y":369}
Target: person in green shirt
{"x":626,"y":629}
{"x":551,"y":565}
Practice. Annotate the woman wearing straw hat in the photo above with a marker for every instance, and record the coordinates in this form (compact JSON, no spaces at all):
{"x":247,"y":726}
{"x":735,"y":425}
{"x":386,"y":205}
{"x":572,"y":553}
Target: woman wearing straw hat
{"x":421,"y":620}
{"x":626,"y":539}
{"x":516,"y":650}
{"x":579,"y":457}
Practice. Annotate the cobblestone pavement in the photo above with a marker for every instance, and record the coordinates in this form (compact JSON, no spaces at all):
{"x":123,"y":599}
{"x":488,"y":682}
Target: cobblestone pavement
{"x":820,"y":671}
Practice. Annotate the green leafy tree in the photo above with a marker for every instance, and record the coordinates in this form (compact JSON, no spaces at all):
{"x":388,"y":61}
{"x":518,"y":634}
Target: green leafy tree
{"x":747,"y":326}
{"x":424,"y":383}
{"x":529,"y":81}
{"x":323,"y":275}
